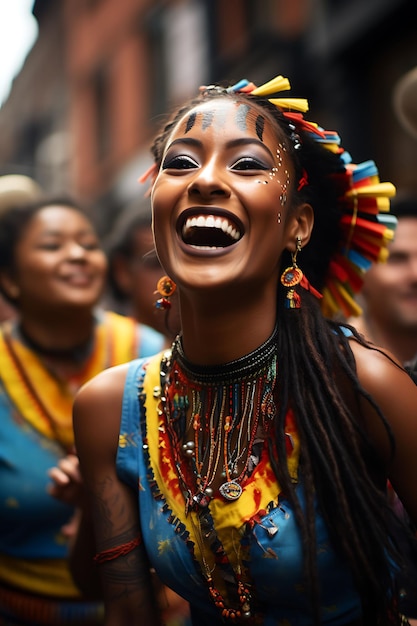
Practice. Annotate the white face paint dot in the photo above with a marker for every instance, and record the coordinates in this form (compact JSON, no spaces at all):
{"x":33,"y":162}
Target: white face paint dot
{"x":273,"y":175}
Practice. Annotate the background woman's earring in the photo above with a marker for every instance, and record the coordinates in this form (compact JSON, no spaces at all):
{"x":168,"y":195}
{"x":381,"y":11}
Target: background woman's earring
{"x":165,"y":287}
{"x":291,"y":277}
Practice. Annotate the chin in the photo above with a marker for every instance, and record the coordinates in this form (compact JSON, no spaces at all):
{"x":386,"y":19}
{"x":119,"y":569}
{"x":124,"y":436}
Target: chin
{"x":77,"y":304}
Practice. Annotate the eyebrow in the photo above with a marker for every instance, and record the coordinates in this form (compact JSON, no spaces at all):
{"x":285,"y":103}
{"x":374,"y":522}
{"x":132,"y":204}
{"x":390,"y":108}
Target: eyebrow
{"x":56,"y":232}
{"x":233,"y":143}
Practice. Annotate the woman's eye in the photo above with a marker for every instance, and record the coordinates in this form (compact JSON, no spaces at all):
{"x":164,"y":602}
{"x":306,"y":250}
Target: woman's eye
{"x":248,"y":163}
{"x":90,"y":245}
{"x":49,"y":245}
{"x":181,"y":162}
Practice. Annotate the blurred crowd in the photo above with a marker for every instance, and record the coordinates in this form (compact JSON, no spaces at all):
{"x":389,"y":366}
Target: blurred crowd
{"x":58,"y":330}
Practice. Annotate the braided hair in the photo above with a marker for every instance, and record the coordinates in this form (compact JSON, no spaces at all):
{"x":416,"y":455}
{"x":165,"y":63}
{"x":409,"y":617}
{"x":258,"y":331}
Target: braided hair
{"x":314,"y":357}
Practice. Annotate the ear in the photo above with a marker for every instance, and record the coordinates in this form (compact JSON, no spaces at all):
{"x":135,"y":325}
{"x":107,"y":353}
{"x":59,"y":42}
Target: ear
{"x":9,"y":286}
{"x":299,"y":224}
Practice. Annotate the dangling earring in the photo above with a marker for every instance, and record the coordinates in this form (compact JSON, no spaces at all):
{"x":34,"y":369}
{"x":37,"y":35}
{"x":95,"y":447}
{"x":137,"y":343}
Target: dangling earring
{"x":291,"y":277}
{"x":165,"y":287}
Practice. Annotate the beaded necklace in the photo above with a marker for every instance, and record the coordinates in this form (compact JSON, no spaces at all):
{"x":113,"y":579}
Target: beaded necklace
{"x":229,"y":410}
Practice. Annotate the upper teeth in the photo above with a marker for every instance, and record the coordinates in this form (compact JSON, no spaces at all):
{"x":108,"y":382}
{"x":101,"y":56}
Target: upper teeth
{"x":209,"y":221}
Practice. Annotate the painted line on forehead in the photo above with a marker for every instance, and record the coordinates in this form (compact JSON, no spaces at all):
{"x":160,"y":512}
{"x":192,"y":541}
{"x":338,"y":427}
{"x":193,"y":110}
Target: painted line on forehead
{"x":259,"y":126}
{"x":208,"y":117}
{"x":190,"y":122}
{"x":221,"y":117}
{"x":242,"y":116}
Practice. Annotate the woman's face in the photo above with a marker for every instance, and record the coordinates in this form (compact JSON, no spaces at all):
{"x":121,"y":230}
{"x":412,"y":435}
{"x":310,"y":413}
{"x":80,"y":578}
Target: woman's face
{"x":220,"y":198}
{"x":58,"y":261}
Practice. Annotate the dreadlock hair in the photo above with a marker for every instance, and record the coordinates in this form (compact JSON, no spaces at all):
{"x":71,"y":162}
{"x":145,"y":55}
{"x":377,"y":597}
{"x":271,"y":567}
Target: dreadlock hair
{"x":314,"y":357}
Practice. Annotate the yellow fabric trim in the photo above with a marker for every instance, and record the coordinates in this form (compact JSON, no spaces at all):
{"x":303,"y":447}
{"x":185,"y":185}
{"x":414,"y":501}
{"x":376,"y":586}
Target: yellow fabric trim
{"x":49,"y":577}
{"x":153,"y":422}
{"x":258,"y":492}
{"x":125,"y":332}
{"x":115,"y":343}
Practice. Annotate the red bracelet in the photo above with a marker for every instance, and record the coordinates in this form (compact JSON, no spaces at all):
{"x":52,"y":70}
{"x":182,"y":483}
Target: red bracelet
{"x":114,"y":553}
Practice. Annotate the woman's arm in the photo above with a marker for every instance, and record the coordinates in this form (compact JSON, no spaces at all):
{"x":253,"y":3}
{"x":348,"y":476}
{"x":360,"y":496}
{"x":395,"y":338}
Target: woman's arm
{"x":396,"y":395}
{"x":122,"y":564}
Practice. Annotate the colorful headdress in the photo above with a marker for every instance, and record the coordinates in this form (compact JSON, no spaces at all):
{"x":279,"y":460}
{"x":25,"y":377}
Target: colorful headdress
{"x":364,"y":205}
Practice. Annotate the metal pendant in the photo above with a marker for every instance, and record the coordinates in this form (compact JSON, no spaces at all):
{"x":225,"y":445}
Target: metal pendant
{"x":202,"y":499}
{"x":230,"y":490}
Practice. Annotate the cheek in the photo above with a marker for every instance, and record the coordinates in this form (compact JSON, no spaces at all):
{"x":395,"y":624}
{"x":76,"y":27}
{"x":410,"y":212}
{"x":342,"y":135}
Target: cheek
{"x":35,"y":265}
{"x":380,"y":285}
{"x":280,"y":177}
{"x":278,"y":181}
{"x":269,"y":205}
{"x":100,"y":262}
{"x":162,"y":232}
{"x":165,"y":191}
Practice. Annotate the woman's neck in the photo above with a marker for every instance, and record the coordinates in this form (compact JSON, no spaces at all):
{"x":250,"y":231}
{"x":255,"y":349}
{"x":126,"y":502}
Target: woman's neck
{"x":212,"y":337}
{"x":68,"y":340}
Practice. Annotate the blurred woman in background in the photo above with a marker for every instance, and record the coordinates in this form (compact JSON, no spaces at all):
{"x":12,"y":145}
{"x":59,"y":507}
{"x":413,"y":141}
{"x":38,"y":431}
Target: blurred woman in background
{"x":52,"y":271}
{"x":134,"y":271}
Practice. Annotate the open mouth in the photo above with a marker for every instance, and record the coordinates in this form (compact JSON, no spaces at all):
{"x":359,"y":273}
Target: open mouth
{"x":210,"y":231}
{"x":78,"y":279}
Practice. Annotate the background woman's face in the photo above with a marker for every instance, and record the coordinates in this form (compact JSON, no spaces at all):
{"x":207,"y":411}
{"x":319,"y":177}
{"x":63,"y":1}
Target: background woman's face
{"x":58,"y":260}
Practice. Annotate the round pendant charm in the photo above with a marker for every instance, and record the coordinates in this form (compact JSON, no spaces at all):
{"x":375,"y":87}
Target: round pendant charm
{"x":231,"y":490}
{"x":291,"y":276}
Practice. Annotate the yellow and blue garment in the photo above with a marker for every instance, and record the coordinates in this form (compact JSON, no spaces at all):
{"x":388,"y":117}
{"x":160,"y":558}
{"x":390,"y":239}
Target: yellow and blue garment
{"x":275,"y":558}
{"x":35,"y":432}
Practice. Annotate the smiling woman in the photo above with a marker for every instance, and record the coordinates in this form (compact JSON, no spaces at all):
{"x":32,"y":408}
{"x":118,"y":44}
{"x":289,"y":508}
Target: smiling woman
{"x":52,"y":269}
{"x":249,"y":462}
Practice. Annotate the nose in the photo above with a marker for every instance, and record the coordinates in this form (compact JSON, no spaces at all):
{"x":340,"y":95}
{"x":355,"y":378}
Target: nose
{"x":209,"y":182}
{"x":76,"y":251}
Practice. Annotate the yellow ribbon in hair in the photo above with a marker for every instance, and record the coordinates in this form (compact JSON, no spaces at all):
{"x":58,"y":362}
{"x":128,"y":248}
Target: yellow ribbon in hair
{"x":290,"y":104}
{"x":279,"y":83}
{"x":385,"y":190}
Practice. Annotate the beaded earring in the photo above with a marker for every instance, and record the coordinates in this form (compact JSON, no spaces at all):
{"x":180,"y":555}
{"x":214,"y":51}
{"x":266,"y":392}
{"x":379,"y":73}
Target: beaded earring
{"x":291,"y":277}
{"x":165,"y":287}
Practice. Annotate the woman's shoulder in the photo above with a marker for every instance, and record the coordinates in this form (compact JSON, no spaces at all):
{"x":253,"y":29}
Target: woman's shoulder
{"x":107,"y":388}
{"x":391,"y":388}
{"x":99,"y":401}
{"x":110,"y":383}
{"x":376,"y":365}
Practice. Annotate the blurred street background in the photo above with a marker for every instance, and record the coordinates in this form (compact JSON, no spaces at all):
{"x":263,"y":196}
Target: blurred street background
{"x":94,"y":85}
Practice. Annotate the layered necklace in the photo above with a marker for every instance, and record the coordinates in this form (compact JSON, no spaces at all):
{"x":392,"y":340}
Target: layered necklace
{"x":217,"y":419}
